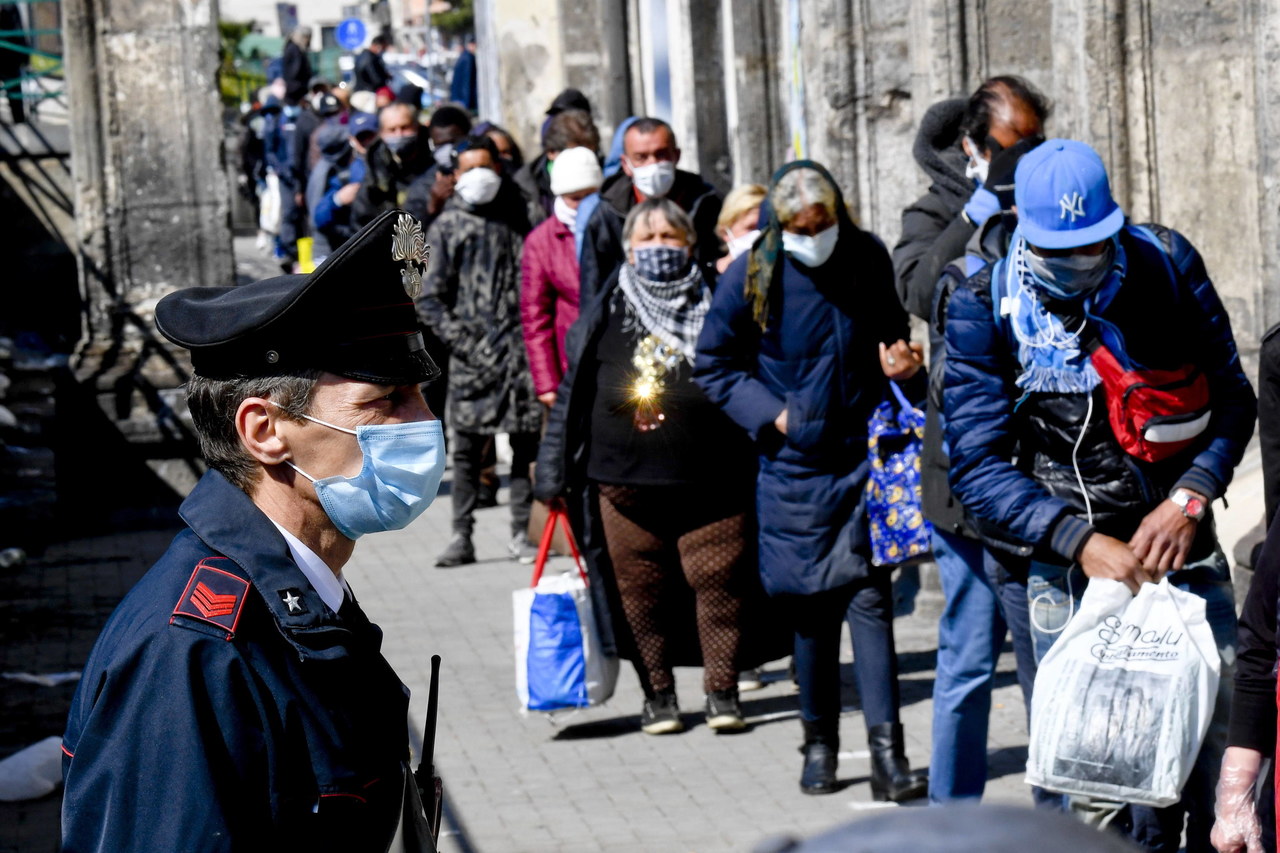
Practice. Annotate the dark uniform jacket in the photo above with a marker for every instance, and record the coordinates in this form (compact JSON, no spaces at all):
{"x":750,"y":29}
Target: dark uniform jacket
{"x":212,"y":716}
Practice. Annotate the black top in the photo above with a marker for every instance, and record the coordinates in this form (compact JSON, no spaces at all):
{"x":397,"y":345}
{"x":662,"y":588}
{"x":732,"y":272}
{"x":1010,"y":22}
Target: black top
{"x":681,"y":438}
{"x":1253,"y":702}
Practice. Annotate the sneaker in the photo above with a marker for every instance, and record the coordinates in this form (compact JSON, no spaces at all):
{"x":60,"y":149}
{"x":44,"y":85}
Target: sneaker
{"x":522,"y":550}
{"x":661,"y":715}
{"x":749,"y":679}
{"x":723,"y":713}
{"x":459,"y":552}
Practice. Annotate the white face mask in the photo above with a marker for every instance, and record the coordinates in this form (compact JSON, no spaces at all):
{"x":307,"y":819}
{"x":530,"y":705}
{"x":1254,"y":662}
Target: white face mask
{"x":566,"y":214}
{"x":812,"y":251}
{"x":738,"y":245}
{"x":976,"y":168}
{"x":478,"y":187}
{"x":655,"y":179}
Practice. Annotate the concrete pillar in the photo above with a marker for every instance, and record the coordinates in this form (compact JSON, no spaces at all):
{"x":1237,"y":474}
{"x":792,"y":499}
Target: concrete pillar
{"x":754,"y":107}
{"x":594,"y":36}
{"x":151,"y":191}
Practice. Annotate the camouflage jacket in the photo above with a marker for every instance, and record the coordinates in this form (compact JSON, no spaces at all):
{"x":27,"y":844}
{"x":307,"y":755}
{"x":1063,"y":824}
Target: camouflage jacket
{"x":471,"y":301}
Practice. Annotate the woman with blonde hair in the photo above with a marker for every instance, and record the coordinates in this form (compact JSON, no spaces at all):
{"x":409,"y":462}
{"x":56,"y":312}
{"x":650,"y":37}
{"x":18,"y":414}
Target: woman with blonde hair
{"x":738,"y":222}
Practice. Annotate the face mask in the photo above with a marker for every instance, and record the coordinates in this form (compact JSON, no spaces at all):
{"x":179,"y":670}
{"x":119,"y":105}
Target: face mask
{"x":1071,"y":276}
{"x":976,"y":168}
{"x":397,"y":144}
{"x":478,"y":187}
{"x":661,"y":263}
{"x":566,"y":214}
{"x":403,"y":466}
{"x":738,"y":245}
{"x":812,"y":251}
{"x":655,"y":179}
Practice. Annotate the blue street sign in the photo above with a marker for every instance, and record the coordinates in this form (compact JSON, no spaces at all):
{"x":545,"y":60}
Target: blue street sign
{"x":351,"y":33}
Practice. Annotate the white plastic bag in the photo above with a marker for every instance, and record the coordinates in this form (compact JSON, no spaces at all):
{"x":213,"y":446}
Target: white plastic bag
{"x":269,"y":209}
{"x":1123,"y":699}
{"x":559,"y":662}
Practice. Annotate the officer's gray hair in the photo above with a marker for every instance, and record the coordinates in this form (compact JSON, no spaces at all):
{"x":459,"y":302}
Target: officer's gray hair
{"x":664,"y":207}
{"x":213,"y":404}
{"x":799,"y":189}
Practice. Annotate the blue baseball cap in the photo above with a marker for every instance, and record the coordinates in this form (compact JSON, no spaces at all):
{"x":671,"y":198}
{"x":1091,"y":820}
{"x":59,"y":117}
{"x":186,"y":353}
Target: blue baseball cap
{"x":362,"y":123}
{"x":1064,"y":197}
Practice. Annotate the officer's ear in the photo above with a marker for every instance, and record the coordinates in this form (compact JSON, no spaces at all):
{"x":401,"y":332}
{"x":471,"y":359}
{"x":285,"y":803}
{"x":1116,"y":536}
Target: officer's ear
{"x":256,"y":422}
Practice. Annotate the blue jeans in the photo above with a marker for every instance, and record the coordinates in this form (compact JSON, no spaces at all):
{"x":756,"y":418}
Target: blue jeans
{"x":980,"y":607}
{"x":1052,"y":593}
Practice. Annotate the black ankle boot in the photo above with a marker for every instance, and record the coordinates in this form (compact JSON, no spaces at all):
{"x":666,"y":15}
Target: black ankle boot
{"x":891,"y":775}
{"x":821,"y":742}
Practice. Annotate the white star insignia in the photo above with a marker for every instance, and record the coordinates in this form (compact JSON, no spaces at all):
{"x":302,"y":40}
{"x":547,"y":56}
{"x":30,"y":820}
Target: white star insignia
{"x":291,"y":601}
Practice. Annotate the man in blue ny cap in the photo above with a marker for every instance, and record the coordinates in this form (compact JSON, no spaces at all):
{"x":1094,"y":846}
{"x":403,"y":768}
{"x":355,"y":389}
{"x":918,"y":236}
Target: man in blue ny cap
{"x":1038,"y":344}
{"x":237,"y":698}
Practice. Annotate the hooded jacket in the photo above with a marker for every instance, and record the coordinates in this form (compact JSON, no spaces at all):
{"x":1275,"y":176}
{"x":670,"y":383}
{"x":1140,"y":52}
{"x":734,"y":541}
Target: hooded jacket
{"x":934,"y":228}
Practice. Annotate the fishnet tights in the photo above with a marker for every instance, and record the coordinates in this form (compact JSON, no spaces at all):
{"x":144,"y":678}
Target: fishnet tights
{"x":659,"y":539}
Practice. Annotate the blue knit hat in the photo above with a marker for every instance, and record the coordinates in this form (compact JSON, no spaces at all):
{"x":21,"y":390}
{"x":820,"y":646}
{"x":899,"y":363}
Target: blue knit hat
{"x":1063,"y":196}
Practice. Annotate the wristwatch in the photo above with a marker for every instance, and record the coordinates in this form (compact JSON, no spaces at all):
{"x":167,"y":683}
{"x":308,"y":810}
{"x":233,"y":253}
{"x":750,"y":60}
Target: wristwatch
{"x":1192,"y":506}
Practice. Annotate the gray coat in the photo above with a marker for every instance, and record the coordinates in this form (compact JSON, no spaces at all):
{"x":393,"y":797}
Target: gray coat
{"x":471,"y":301}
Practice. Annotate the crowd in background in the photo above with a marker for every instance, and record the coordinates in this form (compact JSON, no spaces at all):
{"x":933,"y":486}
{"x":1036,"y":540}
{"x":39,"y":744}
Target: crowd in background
{"x":693,"y":376}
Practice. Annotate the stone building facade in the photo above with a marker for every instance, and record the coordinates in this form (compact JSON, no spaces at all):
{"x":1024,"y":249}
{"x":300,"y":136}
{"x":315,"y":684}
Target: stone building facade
{"x":1181,"y":97}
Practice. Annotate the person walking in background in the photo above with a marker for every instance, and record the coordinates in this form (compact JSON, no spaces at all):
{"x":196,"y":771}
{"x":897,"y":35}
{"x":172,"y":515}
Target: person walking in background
{"x":462,"y":85}
{"x":738,"y":223}
{"x":371,"y":71}
{"x":549,"y":272}
{"x":803,"y":336}
{"x":672,"y":473}
{"x":471,"y":301}
{"x":295,"y":65}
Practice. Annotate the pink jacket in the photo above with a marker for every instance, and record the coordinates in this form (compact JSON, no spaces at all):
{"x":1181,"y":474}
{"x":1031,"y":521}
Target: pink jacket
{"x":548,"y":300}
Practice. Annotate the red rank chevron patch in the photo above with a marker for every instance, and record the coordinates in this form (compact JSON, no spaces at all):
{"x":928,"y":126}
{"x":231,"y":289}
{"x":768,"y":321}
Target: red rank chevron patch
{"x":210,"y":603}
{"x":214,"y":596}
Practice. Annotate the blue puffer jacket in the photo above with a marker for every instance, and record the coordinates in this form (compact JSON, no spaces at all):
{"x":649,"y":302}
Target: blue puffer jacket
{"x":817,"y":358}
{"x":1035,"y":503}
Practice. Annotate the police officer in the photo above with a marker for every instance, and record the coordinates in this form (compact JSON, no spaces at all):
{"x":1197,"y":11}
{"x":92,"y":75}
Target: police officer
{"x":237,"y":698}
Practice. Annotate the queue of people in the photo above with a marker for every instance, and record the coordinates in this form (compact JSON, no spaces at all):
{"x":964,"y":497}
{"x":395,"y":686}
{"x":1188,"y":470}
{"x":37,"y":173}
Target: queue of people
{"x":694,"y":376}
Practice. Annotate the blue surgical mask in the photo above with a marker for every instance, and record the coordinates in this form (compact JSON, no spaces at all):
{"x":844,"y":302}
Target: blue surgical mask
{"x":812,"y":251}
{"x":403,"y":466}
{"x":661,"y":263}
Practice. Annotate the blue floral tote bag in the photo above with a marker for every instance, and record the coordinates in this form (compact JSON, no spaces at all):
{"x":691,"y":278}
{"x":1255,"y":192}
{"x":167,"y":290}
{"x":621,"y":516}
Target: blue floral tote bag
{"x":895,"y":438}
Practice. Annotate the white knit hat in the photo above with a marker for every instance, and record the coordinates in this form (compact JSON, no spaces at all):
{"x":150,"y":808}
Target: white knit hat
{"x":575,"y":169}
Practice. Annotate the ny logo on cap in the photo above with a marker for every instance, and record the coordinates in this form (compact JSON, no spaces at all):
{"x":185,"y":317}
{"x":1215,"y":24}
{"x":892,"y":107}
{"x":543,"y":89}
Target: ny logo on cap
{"x":1073,"y":204}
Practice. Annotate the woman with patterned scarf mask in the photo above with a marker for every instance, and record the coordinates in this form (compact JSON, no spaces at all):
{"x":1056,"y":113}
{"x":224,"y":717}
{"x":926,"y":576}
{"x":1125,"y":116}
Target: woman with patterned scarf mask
{"x":672,"y":473}
{"x":798,"y":348}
